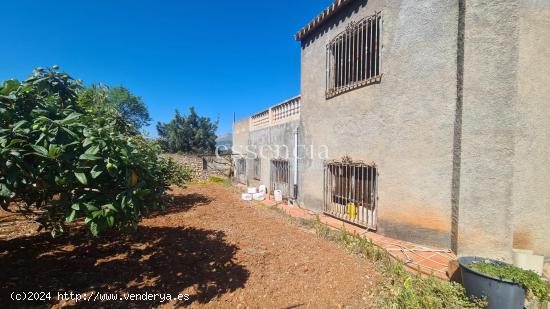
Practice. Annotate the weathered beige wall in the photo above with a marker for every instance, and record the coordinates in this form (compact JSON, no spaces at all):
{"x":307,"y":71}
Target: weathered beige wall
{"x":240,"y":140}
{"x":272,"y":142}
{"x":505,"y":170}
{"x":481,"y":149}
{"x":404,"y":124}
{"x":240,"y":134}
{"x":488,"y":128}
{"x":531,"y":211}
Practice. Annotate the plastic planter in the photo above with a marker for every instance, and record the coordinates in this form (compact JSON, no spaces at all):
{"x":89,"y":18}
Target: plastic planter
{"x":500,"y":293}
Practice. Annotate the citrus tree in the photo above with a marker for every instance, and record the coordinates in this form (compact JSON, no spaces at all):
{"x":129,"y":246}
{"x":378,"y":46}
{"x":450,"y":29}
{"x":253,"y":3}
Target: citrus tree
{"x":66,"y":159}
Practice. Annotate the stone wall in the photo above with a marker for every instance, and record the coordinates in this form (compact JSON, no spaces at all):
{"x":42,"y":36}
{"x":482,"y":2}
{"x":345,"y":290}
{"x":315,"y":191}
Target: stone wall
{"x":214,"y":166}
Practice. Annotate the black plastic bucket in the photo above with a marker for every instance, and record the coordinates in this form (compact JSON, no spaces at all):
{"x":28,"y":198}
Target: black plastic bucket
{"x":500,"y":293}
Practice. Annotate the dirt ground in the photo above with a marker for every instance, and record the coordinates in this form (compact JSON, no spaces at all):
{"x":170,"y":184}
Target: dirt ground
{"x":222,"y":252}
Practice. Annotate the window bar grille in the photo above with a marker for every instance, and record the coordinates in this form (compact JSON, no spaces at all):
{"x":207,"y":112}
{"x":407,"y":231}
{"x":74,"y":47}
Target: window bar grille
{"x":353,"y":56}
{"x":376,"y":46}
{"x":342,"y":50}
{"x":360,"y":52}
{"x":347,"y":44}
{"x":350,"y":192}
{"x":335,"y":59}
{"x":327,"y":65}
{"x":369,"y":49}
{"x":357,"y":54}
{"x":344,"y":59}
{"x":338,"y":64}
{"x":279,"y":176}
{"x":380,"y":34}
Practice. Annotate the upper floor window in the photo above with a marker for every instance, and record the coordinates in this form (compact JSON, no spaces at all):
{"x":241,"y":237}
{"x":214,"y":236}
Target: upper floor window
{"x":353,"y":56}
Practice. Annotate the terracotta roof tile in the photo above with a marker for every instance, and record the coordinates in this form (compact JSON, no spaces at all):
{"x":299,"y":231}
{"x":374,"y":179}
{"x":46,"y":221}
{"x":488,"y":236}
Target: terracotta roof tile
{"x":321,"y":18}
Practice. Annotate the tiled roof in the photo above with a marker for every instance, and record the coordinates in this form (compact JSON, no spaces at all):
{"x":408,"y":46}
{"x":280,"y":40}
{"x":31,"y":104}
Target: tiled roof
{"x":321,"y":18}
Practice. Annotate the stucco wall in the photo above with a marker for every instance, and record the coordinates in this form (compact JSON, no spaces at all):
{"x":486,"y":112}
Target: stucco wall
{"x":240,"y":135}
{"x":531,"y":197}
{"x":457,"y":126}
{"x":488,"y":128}
{"x":405,"y":124}
{"x":273,"y":142}
{"x":240,"y":140}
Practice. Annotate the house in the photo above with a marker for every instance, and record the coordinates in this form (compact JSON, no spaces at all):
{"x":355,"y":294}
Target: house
{"x":434,"y":115}
{"x":264,"y":146}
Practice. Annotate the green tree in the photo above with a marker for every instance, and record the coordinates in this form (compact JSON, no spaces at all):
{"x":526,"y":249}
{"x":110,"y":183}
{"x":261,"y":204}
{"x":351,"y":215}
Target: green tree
{"x":67,"y":161}
{"x":188,"y":133}
{"x":130,"y":107}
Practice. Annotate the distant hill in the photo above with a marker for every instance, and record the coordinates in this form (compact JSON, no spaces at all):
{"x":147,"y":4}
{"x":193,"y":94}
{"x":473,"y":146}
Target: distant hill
{"x":225,"y":139}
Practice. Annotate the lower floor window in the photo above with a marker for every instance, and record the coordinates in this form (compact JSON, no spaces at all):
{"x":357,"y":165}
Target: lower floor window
{"x":279,"y":178}
{"x":350,"y":192}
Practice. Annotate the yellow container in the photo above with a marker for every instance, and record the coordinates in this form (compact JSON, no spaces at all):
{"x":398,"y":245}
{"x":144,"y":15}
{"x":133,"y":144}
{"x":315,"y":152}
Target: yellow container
{"x":352,"y":211}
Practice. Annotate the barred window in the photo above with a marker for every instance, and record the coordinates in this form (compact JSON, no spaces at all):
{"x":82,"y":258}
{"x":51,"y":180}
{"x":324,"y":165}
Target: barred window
{"x":241,"y":167}
{"x":351,"y":192}
{"x":353,"y":56}
{"x":279,"y":176}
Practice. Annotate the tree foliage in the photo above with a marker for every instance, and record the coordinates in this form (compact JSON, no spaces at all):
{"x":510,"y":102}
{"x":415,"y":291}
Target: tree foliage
{"x":68,"y":161}
{"x":130,"y":107}
{"x":188,"y":133}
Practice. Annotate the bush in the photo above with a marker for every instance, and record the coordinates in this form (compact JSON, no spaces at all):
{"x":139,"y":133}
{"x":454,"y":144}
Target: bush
{"x":65,"y":156}
{"x":407,"y":290}
{"x":529,"y":280}
{"x":176,"y":174}
{"x":400,"y":288}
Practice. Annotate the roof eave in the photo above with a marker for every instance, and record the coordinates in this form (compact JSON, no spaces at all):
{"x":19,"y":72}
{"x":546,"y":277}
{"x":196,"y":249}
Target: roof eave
{"x":335,"y":7}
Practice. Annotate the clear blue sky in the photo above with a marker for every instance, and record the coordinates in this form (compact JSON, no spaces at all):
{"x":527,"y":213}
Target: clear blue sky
{"x":220,"y":56}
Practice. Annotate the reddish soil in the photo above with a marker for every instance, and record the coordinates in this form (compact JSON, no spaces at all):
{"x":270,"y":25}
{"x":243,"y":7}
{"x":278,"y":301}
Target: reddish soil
{"x":222,"y":252}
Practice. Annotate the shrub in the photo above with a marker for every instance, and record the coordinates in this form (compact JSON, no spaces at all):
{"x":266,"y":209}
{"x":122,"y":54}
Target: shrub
{"x":407,"y":290}
{"x":529,"y":280}
{"x":69,"y":161}
{"x":176,"y":174}
{"x":400,"y":288}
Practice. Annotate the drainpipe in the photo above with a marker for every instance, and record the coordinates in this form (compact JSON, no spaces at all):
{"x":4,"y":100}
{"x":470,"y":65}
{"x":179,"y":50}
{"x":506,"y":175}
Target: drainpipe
{"x":296,"y":164}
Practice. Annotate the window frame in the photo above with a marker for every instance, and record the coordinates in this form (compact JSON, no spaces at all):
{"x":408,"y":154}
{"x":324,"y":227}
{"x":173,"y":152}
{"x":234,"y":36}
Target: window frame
{"x":353,"y":57}
{"x":351,"y":185}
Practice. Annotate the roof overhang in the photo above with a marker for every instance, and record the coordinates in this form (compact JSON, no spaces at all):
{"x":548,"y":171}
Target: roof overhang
{"x":336,"y":6}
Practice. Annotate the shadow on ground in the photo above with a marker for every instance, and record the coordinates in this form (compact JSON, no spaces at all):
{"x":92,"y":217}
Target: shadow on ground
{"x":153,"y":259}
{"x":175,"y":203}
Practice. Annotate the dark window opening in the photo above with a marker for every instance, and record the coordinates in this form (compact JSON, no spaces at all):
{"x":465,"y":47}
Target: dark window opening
{"x":257,"y":169}
{"x":280,"y":174}
{"x":351,"y":192}
{"x":241,"y":167}
{"x":353,"y":56}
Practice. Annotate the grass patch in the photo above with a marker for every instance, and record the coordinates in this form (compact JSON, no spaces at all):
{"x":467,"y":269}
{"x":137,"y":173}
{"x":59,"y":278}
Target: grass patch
{"x":211,"y":179}
{"x":399,"y":288}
